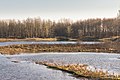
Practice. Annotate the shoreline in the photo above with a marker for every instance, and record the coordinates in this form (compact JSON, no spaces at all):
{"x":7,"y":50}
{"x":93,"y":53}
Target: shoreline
{"x":80,"y":70}
{"x":38,"y":48}
{"x":27,"y":39}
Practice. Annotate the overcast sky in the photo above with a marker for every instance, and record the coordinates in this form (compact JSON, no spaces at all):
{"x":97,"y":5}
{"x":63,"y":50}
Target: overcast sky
{"x":56,"y":9}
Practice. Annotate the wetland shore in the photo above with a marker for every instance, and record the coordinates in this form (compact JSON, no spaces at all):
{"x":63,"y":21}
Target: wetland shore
{"x":109,"y":47}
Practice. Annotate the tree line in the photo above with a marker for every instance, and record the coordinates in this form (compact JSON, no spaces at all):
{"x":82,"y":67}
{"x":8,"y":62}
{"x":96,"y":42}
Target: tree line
{"x":38,"y":28}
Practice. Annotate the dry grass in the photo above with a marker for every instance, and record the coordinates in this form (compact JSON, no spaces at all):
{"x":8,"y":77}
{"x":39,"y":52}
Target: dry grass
{"x":41,"y":39}
{"x":27,"y":39}
{"x":35,"y":48}
{"x":109,"y":39}
{"x":82,"y":71}
{"x":5,"y":39}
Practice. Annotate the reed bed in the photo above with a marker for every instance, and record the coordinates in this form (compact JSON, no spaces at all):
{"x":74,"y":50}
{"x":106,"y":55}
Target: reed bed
{"x":81,"y":70}
{"x":37,"y":48}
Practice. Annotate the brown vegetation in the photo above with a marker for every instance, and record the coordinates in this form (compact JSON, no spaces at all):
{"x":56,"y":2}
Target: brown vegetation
{"x":27,"y":39}
{"x":35,"y":48}
{"x":81,"y":70}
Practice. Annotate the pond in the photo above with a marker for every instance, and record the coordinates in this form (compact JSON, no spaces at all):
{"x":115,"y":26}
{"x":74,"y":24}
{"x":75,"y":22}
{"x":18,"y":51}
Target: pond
{"x":45,"y":42}
{"x":105,"y":61}
{"x":26,"y":70}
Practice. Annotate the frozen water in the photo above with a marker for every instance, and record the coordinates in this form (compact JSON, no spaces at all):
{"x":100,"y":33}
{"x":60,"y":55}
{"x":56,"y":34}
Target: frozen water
{"x":25,"y":70}
{"x":107,"y":61}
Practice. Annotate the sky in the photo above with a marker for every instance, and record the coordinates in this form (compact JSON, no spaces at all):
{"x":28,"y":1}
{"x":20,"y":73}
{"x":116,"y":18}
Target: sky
{"x":57,"y":9}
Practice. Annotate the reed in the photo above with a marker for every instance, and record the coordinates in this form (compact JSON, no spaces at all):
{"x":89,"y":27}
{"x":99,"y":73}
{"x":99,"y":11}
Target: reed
{"x":81,"y":70}
{"x":37,"y":48}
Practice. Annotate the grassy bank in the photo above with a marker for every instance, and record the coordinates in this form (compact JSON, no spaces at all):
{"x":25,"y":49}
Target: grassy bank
{"x":85,"y":38}
{"x":27,"y":39}
{"x":81,"y":70}
{"x":35,"y":48}
{"x":111,"y":39}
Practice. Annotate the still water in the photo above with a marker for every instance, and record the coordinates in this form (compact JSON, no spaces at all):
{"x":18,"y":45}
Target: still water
{"x":104,"y":61}
{"x":45,"y":42}
{"x":26,"y":70}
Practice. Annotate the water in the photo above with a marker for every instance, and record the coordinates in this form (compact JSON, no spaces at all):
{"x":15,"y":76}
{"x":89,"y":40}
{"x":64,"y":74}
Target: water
{"x":45,"y":42}
{"x":105,"y":61}
{"x":26,"y":70}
